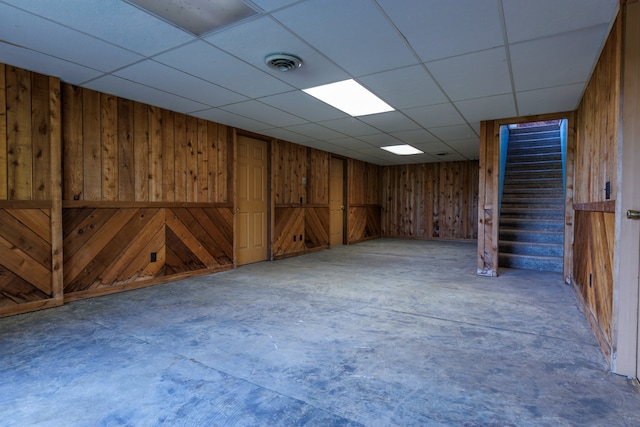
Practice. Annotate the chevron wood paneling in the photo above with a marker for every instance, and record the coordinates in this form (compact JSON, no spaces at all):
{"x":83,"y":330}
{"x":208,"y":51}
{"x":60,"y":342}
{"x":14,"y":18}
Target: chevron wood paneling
{"x":364,"y":223}
{"x":25,"y":256}
{"x":105,"y":247}
{"x":316,"y":227}
{"x":288,"y":231}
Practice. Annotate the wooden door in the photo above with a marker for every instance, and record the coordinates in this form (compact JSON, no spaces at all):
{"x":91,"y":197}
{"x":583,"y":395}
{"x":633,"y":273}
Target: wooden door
{"x":336,"y":202}
{"x":251,"y":201}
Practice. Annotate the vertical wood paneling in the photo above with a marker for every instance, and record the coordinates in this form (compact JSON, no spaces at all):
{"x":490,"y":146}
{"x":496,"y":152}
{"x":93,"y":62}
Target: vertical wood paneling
{"x":168,"y":157}
{"x":109,"y":141}
{"x":203,"y":160}
{"x":3,"y":134}
{"x":598,"y":121}
{"x":56,"y":182}
{"x":140,"y":152}
{"x":72,"y":142}
{"x":40,"y":140}
{"x":155,"y":154}
{"x":92,"y":152}
{"x":318,"y":177}
{"x":289,"y":167}
{"x":489,"y":168}
{"x":126,"y":151}
{"x":434,"y":200}
{"x":19,"y":145}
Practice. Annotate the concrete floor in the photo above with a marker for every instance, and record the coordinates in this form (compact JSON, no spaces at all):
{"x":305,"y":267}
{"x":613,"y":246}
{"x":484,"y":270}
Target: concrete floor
{"x":383,"y":333}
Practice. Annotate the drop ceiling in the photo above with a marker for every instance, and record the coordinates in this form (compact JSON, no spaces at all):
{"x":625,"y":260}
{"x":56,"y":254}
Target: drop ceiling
{"x":444,"y":65}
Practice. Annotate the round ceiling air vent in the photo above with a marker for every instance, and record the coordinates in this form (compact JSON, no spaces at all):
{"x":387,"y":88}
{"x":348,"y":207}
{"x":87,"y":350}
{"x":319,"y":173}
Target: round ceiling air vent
{"x":283,"y":61}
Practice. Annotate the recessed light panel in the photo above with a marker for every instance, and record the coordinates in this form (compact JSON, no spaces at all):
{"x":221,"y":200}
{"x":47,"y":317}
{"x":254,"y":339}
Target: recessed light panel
{"x":351,"y":97}
{"x":197,"y":16}
{"x":402,"y":150}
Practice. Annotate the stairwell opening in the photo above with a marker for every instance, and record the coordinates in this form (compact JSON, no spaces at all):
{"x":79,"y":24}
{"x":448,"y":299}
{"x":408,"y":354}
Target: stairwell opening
{"x":532,"y":198}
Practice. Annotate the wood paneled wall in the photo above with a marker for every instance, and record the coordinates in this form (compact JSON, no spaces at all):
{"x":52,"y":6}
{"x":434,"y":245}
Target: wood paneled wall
{"x":433,"y":200}
{"x":364,"y":215}
{"x":121,"y":150}
{"x":598,"y":123}
{"x":593,"y":269}
{"x":30,"y":188}
{"x":300,"y":190}
{"x":596,"y":156}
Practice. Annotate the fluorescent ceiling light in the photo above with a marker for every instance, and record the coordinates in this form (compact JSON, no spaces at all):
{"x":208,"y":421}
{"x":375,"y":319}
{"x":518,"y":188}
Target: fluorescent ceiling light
{"x":349,"y":96}
{"x":402,"y":150}
{"x":197,"y":16}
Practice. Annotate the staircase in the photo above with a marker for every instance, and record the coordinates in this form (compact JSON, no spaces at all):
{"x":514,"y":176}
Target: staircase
{"x":531,"y":234}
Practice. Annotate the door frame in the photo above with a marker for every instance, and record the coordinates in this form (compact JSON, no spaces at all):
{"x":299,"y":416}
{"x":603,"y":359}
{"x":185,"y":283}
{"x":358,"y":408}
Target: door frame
{"x":626,"y":303}
{"x":269,"y":190}
{"x":345,"y":198}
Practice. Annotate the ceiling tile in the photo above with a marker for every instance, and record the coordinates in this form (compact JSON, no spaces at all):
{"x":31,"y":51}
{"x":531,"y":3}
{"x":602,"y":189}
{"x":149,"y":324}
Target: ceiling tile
{"x":315,"y":131}
{"x":489,"y":108}
{"x":405,"y":87}
{"x":351,"y":144}
{"x":414,"y":136}
{"x":130,"y":90}
{"x":393,"y":121}
{"x":380,"y":140}
{"x":556,"y":99}
{"x":557,"y":60}
{"x":528,"y":19}
{"x":354,"y":34}
{"x":350,"y":126}
{"x":439,"y":29}
{"x":213,"y":65}
{"x":450,"y":133}
{"x":117,"y":22}
{"x":287,"y":135}
{"x":465,"y":145}
{"x":435,"y":115}
{"x":264,"y":113}
{"x":230,"y":119}
{"x":433,"y":147}
{"x":61,"y":42}
{"x":304,"y":106}
{"x":157,"y":75}
{"x":45,"y":64}
{"x":253,"y":40}
{"x":270,"y":5}
{"x":473,"y":75}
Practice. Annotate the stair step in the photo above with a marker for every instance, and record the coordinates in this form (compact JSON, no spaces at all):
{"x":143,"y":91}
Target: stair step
{"x":538,"y":249}
{"x":540,"y":263}
{"x":509,"y":205}
{"x":533,"y":192}
{"x":534,"y":157}
{"x":531,"y":224}
{"x":542,"y":165}
{"x":531,"y":236}
{"x":543,"y":147}
{"x":532,"y":174}
{"x":535,"y":129}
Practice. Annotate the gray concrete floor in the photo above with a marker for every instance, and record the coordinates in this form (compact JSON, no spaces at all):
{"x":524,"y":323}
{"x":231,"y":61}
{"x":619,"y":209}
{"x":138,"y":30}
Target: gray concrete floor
{"x":383,"y":333}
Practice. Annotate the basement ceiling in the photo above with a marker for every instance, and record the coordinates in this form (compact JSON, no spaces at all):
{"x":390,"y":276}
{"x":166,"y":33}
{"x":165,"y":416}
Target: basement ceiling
{"x":443,"y":65}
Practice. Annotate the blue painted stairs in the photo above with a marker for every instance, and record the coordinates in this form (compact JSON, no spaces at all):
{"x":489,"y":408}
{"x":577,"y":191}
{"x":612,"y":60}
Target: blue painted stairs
{"x":531,"y":234}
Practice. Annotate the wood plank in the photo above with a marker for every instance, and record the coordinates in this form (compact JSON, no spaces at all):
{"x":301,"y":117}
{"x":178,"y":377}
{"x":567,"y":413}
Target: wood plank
{"x":168,"y":157}
{"x":179,"y":257}
{"x":181,"y":153}
{"x":212,"y":231}
{"x":212,"y":146}
{"x":126,"y":150}
{"x":155,"y":175}
{"x":3,"y":134}
{"x":14,"y":290}
{"x":72,"y":142}
{"x":20,"y":264}
{"x":92,"y":150}
{"x":190,"y":240}
{"x":109,"y":144}
{"x":24,"y":239}
{"x":36,"y":220}
{"x":40,"y":136}
{"x":56,"y":180}
{"x":19,"y":145}
{"x":141,"y":151}
{"x":318,"y":177}
{"x":192,"y":158}
{"x":203,"y":161}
